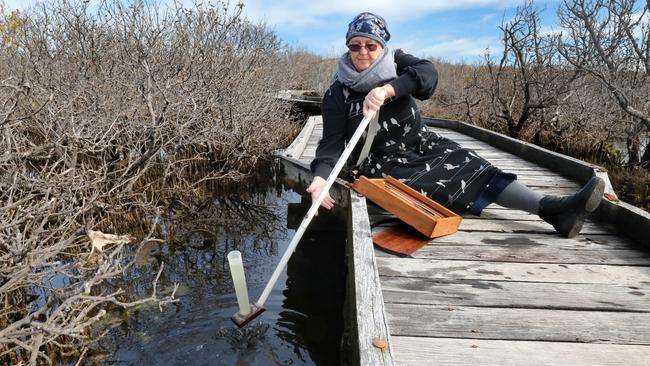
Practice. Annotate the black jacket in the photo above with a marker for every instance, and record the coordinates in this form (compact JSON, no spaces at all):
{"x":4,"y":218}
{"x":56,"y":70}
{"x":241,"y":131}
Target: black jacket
{"x":342,"y":113}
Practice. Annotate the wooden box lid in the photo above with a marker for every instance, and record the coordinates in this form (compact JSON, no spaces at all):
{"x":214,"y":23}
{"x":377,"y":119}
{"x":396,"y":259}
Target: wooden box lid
{"x":419,"y":211}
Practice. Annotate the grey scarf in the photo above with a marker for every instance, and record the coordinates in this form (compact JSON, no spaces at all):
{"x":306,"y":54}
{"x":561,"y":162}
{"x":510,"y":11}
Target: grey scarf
{"x":381,"y":71}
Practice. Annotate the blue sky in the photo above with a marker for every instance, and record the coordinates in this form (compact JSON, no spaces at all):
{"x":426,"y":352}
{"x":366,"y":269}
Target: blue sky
{"x":453,"y":30}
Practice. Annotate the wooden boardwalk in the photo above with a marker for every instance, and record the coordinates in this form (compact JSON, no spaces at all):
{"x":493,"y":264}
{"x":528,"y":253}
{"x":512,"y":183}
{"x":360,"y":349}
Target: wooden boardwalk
{"x":504,"y":290}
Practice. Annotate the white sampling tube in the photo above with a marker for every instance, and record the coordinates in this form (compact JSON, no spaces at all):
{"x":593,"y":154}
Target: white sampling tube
{"x":238,"y":278}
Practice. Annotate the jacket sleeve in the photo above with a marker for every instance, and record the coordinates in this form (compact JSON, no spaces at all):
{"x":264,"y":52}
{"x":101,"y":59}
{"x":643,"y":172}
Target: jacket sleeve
{"x":415,"y":76}
{"x":332,"y":142}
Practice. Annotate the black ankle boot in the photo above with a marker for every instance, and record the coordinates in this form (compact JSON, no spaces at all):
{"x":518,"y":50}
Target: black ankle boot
{"x":567,"y":214}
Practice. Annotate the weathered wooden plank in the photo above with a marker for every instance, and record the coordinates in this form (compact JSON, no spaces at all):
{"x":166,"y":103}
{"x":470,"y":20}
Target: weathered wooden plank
{"x":307,"y":155}
{"x":510,"y":226}
{"x":521,"y":240}
{"x":526,"y":241}
{"x":519,"y":324}
{"x":636,"y":276}
{"x":526,"y":248}
{"x":477,"y":146}
{"x":370,"y":314}
{"x":508,"y":294}
{"x":479,"y":352}
{"x":516,"y":226}
{"x":533,"y":254}
{"x":544,"y":181}
{"x":491,"y":213}
{"x":519,"y":166}
{"x":630,"y":221}
{"x":514,"y":167}
{"x":298,"y":145}
{"x":491,"y":154}
{"x":496,"y":212}
{"x":531,"y":173}
{"x":310,"y":149}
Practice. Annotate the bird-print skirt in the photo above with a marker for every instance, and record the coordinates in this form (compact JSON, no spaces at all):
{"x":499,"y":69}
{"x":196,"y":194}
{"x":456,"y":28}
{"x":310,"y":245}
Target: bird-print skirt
{"x":441,"y":169}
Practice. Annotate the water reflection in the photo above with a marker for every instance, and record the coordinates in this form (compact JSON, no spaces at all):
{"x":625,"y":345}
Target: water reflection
{"x":304,"y":318}
{"x":312,"y":314}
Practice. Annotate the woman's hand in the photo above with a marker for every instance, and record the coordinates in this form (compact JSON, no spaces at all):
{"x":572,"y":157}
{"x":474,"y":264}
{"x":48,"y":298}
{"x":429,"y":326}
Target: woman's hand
{"x":315,"y":187}
{"x":376,"y":97}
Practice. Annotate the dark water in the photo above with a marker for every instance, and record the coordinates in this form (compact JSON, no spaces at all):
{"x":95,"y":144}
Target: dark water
{"x":304,"y":319}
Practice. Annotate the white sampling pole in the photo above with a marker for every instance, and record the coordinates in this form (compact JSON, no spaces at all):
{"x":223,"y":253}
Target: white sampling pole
{"x":239,"y":279}
{"x":314,"y":207}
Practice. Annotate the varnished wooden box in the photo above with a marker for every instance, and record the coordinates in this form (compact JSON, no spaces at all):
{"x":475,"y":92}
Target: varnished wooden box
{"x":419,"y":211}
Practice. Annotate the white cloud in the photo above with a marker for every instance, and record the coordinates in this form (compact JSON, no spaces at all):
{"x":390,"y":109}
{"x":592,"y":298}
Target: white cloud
{"x":20,"y":4}
{"x":641,"y":31}
{"x":489,"y":17}
{"x":637,"y":16}
{"x":549,"y":30}
{"x":312,"y":24}
{"x":300,"y":12}
{"x":461,"y":48}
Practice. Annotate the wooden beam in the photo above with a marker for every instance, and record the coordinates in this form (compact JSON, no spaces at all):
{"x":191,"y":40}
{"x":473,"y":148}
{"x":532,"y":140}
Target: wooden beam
{"x":297,"y":147}
{"x":519,"y":324}
{"x":369,"y":303}
{"x":511,"y":294}
{"x":635,"y":276}
{"x":470,"y":223}
{"x":477,"y":352}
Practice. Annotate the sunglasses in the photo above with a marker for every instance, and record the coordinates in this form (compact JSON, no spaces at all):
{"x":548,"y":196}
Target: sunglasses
{"x":355,"y":47}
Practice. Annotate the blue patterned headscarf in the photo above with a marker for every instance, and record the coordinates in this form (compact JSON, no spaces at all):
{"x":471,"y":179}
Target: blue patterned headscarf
{"x":370,"y":26}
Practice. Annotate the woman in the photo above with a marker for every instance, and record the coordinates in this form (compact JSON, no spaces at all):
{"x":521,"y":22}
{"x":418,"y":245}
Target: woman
{"x":371,"y":76}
